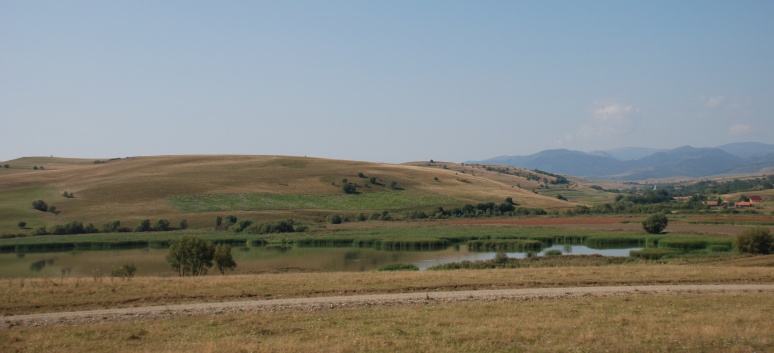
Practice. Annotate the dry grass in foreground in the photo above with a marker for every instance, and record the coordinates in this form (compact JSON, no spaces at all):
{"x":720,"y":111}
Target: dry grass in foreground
{"x":722,"y":322}
{"x":22,"y":296}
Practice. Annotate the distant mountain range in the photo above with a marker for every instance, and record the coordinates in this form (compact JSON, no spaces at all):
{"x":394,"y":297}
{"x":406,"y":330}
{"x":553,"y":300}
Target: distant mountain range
{"x":635,"y":163}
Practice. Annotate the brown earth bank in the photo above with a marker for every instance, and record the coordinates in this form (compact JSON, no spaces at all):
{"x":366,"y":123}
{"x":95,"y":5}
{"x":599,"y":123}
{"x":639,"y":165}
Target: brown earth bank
{"x":326,"y":303}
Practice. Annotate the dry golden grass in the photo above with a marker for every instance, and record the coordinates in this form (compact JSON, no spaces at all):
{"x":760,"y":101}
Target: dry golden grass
{"x":721,"y":322}
{"x":134,"y":188}
{"x":22,"y":296}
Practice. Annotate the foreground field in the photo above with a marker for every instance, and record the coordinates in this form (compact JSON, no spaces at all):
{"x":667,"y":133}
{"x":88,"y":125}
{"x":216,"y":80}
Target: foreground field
{"x":23,"y":296}
{"x":734,"y":321}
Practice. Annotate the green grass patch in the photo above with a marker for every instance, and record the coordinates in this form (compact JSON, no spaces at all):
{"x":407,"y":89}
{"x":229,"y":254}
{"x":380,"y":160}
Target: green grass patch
{"x":614,"y":241}
{"x":654,"y":253}
{"x":387,"y":200}
{"x":683,"y":244}
{"x":399,"y":267}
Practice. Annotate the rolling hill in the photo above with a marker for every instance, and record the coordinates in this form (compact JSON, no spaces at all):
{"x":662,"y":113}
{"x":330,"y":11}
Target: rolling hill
{"x":199,"y":188}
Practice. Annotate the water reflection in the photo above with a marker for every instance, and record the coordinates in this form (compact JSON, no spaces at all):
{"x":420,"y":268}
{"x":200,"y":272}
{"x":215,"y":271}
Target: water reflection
{"x":260,"y":259}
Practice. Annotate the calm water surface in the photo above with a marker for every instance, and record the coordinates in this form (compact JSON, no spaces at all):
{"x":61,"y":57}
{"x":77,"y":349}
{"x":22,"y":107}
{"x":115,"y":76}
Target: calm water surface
{"x":151,"y":262}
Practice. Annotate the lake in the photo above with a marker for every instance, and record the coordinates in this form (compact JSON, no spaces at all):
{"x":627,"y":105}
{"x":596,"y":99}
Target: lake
{"x":152,"y":262}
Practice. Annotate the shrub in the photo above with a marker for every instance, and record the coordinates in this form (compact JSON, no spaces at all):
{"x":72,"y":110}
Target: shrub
{"x":68,"y":195}
{"x":111,"y":227}
{"x":52,"y":209}
{"x":553,"y":252}
{"x":755,"y":241}
{"x":191,"y":256}
{"x":161,"y":225}
{"x":223,"y":259}
{"x":655,"y":223}
{"x":349,"y":188}
{"x":372,"y":180}
{"x":501,"y":257}
{"x":144,"y":226}
{"x":22,"y":224}
{"x":394,"y":185}
{"x":126,"y":271}
{"x":40,"y":205}
{"x":360,"y":175}
{"x":399,"y":267}
{"x":361,"y":217}
{"x":183,"y":224}
{"x":335,"y":219}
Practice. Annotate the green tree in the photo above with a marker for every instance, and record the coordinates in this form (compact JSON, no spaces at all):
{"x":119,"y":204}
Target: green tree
{"x":223,"y":259}
{"x":191,"y":256}
{"x":755,"y":241}
{"x":144,"y":226}
{"x":40,"y":205}
{"x":655,"y":223}
{"x":161,"y":225}
{"x":349,"y":188}
{"x":22,"y":224}
{"x":183,"y":224}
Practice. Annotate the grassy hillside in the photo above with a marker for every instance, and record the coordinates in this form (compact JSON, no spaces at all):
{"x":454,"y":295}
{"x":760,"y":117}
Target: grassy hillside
{"x":198,"y":188}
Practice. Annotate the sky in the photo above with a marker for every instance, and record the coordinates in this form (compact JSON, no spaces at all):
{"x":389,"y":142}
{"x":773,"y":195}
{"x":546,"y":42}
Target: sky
{"x":381,"y":81}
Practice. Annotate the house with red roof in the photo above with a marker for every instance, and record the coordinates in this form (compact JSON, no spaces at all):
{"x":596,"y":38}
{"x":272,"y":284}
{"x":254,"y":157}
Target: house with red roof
{"x":755,"y":199}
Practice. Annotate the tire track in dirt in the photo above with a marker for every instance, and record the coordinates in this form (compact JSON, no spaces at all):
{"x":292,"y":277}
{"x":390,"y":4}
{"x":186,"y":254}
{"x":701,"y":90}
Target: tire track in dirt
{"x":337,"y":302}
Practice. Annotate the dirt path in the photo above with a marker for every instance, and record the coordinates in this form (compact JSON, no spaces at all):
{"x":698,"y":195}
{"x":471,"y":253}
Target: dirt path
{"x":324,"y":303}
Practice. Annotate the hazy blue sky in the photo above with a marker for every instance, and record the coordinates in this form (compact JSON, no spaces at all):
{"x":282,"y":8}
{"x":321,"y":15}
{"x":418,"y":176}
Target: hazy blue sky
{"x":388,"y":81}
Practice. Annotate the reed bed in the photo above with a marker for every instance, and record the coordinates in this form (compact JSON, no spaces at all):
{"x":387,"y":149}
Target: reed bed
{"x":654,"y":253}
{"x":323,"y":242}
{"x":514,"y":245}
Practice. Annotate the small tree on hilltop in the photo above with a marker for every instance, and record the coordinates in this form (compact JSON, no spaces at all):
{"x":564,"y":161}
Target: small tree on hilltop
{"x":655,"y":224}
{"x":755,"y":241}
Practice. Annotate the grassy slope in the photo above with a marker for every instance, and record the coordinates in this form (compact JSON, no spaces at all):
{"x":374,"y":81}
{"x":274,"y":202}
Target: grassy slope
{"x":134,"y":188}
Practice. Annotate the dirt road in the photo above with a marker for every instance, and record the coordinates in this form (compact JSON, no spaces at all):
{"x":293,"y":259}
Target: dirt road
{"x":325,"y":303}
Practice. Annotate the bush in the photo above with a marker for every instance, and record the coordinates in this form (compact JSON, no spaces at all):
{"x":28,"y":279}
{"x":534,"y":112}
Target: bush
{"x":349,"y":188}
{"x":144,"y":226}
{"x":553,"y":252}
{"x":40,"y":205}
{"x":399,"y":267}
{"x":360,"y":175}
{"x":191,"y":256}
{"x":223,"y":259}
{"x":655,"y":224}
{"x":22,"y":224}
{"x":335,"y":219}
{"x":161,"y":225}
{"x":126,"y":271}
{"x":183,"y":224}
{"x":755,"y":241}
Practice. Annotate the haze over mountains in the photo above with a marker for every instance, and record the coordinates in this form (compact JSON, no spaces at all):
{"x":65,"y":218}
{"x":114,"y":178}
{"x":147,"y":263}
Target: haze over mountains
{"x":634,"y":163}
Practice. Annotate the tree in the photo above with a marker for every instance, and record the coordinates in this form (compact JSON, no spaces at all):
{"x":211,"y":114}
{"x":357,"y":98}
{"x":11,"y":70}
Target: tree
{"x":40,"y":205}
{"x":655,"y":223}
{"x":22,"y":224}
{"x":349,"y":188}
{"x":755,"y":241}
{"x":161,"y":225}
{"x":393,"y":185}
{"x":144,"y":226}
{"x":223,"y":259}
{"x":183,"y":224}
{"x":191,"y":256}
